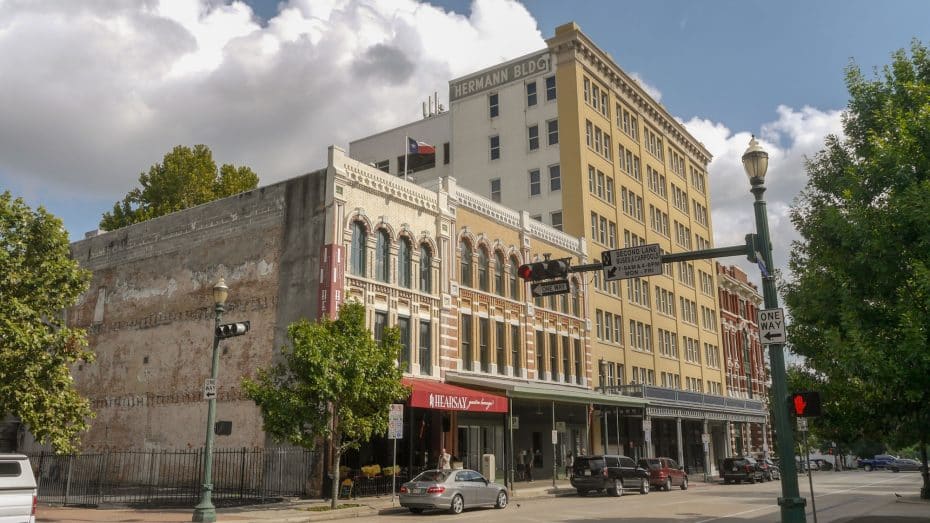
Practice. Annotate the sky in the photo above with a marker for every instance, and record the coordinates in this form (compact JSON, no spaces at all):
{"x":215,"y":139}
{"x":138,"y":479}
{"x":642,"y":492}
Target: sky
{"x":95,"y":92}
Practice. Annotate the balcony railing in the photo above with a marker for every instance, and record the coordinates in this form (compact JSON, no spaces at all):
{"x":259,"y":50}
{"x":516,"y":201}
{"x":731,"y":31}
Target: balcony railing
{"x":684,"y":397}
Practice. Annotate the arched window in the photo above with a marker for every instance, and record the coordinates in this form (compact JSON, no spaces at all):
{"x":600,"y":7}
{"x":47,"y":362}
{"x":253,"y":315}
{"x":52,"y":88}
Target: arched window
{"x":484,"y":266}
{"x":359,"y":242}
{"x":403,"y":263}
{"x":426,"y":268}
{"x":499,"y":274}
{"x":383,"y":256}
{"x":465,"y":249}
{"x":514,"y":281}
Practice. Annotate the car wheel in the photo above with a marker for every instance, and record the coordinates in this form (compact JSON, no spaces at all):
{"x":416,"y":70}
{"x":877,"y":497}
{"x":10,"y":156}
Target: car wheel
{"x":895,"y":469}
{"x":684,"y":483}
{"x":501,"y":500}
{"x":668,"y":484}
{"x":582,"y":493}
{"x":751,"y":480}
{"x":458,"y":504}
{"x":867,"y":468}
{"x":644,"y":486}
{"x":617,"y":488}
{"x":416,"y":510}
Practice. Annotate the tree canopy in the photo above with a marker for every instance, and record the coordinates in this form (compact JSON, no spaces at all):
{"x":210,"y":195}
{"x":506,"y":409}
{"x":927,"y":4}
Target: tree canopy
{"x":40,"y":280}
{"x":860,"y":295}
{"x":186,"y":177}
{"x":335,"y":384}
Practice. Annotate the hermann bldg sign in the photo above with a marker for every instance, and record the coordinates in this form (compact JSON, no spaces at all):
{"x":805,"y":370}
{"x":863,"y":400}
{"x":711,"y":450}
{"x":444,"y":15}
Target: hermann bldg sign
{"x":500,"y":75}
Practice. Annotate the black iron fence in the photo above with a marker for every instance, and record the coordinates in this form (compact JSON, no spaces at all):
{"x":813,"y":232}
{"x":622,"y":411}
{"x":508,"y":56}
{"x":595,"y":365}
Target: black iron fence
{"x":172,"y":477}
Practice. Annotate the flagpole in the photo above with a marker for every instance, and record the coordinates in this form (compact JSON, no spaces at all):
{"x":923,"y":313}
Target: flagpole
{"x":406,"y":152}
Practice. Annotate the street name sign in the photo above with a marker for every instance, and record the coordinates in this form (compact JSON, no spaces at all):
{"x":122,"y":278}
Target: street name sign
{"x":772,"y":326}
{"x":548,"y":288}
{"x":632,"y":262}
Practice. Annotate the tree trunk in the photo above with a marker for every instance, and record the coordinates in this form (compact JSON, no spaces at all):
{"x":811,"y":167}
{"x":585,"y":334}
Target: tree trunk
{"x":337,"y":457}
{"x":925,"y":489}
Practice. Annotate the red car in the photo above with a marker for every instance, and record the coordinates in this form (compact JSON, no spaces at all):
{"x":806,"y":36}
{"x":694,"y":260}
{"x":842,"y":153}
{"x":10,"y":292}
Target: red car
{"x":664,"y":473}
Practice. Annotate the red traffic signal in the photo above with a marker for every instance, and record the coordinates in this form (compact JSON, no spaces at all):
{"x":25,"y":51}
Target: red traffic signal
{"x":544,"y":270}
{"x":804,"y":404}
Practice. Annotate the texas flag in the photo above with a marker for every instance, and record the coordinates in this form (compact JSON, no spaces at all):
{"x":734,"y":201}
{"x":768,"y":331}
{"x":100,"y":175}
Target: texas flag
{"x":415,"y":147}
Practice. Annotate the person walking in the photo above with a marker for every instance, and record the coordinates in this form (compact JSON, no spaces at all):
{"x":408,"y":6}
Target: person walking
{"x":569,"y":461}
{"x":445,"y":460}
{"x":529,"y":467}
{"x":521,"y":465}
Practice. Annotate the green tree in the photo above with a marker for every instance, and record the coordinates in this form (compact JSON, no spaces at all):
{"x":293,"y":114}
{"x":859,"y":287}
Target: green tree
{"x":860,"y":296}
{"x":40,"y":280}
{"x":335,"y":384}
{"x":185,"y":178}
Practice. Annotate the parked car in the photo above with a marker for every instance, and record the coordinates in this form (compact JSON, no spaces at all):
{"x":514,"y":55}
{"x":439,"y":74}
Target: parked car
{"x":903,"y":464}
{"x":880,"y":461}
{"x":451,"y":490}
{"x":737,"y":469}
{"x":770,"y":470}
{"x":17,"y":489}
{"x":664,"y":473}
{"x":609,"y":473}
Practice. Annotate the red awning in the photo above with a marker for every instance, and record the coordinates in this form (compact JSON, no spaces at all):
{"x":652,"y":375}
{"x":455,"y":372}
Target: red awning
{"x":442,"y":396}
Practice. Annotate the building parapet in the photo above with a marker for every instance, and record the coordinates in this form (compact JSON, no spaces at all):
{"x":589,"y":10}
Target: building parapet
{"x":686,"y":398}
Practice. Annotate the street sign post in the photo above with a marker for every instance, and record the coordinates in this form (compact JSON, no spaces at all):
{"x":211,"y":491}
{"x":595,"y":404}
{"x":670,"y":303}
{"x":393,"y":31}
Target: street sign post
{"x":632,"y":262}
{"x":395,"y":432}
{"x":772,"y":326}
{"x":548,"y":288}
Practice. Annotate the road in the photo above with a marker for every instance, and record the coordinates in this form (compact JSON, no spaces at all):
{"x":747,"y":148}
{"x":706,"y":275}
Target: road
{"x":840,"y":497}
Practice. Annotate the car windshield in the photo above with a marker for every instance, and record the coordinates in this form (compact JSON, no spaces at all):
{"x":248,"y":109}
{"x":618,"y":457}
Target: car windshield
{"x":652,"y":464}
{"x":437,"y":476}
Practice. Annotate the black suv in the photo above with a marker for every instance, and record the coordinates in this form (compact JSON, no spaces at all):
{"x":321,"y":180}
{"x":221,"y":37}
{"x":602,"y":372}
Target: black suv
{"x":735,"y":470}
{"x":609,"y":473}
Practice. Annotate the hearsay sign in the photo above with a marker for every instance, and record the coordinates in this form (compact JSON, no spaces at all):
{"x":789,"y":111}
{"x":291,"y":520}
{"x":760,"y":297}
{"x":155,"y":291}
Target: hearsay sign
{"x":772,"y":326}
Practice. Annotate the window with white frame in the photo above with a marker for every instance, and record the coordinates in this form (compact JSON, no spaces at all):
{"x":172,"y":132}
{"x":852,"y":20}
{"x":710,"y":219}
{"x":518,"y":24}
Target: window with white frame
{"x":556,"y":219}
{"x":531,"y":93}
{"x":656,"y":181}
{"x":496,"y":190}
{"x":688,"y":310}
{"x":495,"y":147}
{"x":494,"y":105}
{"x":535,"y":183}
{"x":550,"y":88}
{"x":533,"y":137}
{"x":637,"y":291}
{"x":555,"y":178}
{"x":552,"y":131}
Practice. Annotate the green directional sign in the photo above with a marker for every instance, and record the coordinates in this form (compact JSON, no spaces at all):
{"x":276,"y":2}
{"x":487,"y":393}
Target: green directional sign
{"x":548,"y":288}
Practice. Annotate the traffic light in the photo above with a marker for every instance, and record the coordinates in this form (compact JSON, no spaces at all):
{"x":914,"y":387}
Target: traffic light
{"x":544,"y":270}
{"x":804,"y":404}
{"x":230,"y":330}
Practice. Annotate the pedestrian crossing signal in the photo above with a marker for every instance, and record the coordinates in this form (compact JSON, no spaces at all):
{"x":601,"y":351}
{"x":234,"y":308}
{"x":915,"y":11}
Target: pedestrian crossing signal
{"x":804,"y":404}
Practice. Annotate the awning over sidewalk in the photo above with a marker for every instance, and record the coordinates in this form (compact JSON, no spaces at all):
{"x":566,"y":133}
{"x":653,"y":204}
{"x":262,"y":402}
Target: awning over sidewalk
{"x":429,"y":394}
{"x":542,"y":390}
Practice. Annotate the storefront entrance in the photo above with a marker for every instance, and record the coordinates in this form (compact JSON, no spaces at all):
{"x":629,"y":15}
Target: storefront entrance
{"x":475,"y":440}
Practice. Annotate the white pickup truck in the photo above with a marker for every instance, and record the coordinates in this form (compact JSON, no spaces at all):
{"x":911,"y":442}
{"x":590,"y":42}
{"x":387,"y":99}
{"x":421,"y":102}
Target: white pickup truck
{"x":17,"y":490}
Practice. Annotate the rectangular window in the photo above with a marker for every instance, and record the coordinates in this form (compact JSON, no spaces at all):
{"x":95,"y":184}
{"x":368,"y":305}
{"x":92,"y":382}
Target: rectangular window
{"x":552,"y":130}
{"x":501,"y":344}
{"x":531,"y":93}
{"x":426,"y":348}
{"x":533,"y":136}
{"x":579,"y":376}
{"x":535,"y":183}
{"x":550,"y":88}
{"x":556,"y":220}
{"x":554,"y":356}
{"x":381,"y":319}
{"x":403,"y":325}
{"x":609,"y":190}
{"x":465,"y":341}
{"x":484,"y":349}
{"x":446,"y":153}
{"x":515,"y":343}
{"x":496,"y":190}
{"x":540,"y":355}
{"x":588,"y":133}
{"x":555,"y":178}
{"x":495,"y":142}
{"x":566,"y":353}
{"x":494,"y":105}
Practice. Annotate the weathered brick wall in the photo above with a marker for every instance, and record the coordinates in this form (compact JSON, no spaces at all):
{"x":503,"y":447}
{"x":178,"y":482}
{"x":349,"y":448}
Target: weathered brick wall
{"x":149,"y":312}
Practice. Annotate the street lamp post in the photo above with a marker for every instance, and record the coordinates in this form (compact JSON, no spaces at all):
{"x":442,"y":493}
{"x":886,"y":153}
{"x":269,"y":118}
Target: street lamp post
{"x":205,"y":511}
{"x":755,"y":162}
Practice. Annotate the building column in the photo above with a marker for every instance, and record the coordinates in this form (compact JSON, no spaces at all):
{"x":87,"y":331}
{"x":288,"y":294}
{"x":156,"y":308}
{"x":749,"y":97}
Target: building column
{"x":765,"y":440}
{"x":681,"y":448}
{"x":647,"y":438}
{"x":706,"y":446}
{"x":729,"y":432}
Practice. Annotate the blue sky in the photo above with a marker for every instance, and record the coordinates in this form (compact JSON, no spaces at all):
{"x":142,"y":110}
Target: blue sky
{"x":104,"y":90}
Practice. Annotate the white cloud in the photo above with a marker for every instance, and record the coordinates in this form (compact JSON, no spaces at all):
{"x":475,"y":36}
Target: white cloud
{"x":792,"y":137}
{"x":650,"y":89}
{"x":95,"y":92}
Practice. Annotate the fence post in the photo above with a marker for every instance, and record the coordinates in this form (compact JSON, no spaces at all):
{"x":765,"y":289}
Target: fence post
{"x":68,"y":479}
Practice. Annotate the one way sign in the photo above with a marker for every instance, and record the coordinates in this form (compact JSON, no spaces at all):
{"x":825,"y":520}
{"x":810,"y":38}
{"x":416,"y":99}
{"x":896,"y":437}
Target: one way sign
{"x":772,"y":326}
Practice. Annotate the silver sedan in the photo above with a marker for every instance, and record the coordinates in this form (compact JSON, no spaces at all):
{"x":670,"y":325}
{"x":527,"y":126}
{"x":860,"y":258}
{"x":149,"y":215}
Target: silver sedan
{"x":451,"y":490}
